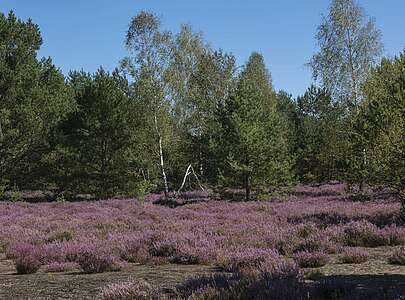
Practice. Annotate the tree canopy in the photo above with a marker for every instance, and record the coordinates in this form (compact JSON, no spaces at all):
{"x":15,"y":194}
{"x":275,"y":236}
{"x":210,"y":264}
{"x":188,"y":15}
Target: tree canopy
{"x":175,"y":103}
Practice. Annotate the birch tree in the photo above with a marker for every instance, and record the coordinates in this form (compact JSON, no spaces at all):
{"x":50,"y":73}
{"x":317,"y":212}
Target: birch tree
{"x":349,"y":46}
{"x":200,"y":79}
{"x":149,"y":57}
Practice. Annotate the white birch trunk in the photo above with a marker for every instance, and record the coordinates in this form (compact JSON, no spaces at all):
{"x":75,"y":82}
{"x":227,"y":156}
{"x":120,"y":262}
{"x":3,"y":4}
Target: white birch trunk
{"x":162,"y":164}
{"x":188,"y":172}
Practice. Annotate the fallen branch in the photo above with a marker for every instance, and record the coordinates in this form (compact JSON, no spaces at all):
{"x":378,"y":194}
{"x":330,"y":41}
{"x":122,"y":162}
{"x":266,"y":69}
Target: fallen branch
{"x":189,"y":171}
{"x":185,"y":178}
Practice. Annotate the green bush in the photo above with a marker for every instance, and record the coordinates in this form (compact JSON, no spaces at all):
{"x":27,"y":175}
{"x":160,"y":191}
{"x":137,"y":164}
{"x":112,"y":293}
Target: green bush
{"x":142,"y":188}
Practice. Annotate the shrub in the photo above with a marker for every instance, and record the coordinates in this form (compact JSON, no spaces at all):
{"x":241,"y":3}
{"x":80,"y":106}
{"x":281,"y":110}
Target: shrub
{"x":363,"y":234}
{"x":135,"y":251}
{"x":285,"y":245}
{"x":57,"y":267}
{"x":131,"y":290}
{"x":306,"y":230}
{"x":210,"y":293}
{"x":175,"y":252}
{"x":163,"y":250}
{"x":354,"y":256}
{"x":60,"y":236}
{"x":178,"y":249}
{"x":278,"y":268}
{"x":333,"y":289}
{"x":196,"y":285}
{"x":317,"y":242}
{"x":247,"y":260}
{"x":185,"y":259}
{"x":141,"y":189}
{"x":338,"y":288}
{"x":93,"y":260}
{"x":393,"y":235}
{"x":269,"y":287}
{"x":60,"y":252}
{"x":26,"y":258}
{"x":200,"y":252}
{"x":16,"y":196}
{"x":257,"y":274}
{"x":397,"y":257}
{"x":311,"y":259}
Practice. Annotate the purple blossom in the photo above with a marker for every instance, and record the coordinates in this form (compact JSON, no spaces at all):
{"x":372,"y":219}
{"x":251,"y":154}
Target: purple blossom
{"x":354,"y":255}
{"x":235,"y":236}
{"x":311,"y":259}
{"x":26,"y":258}
{"x":128,"y":290}
{"x":56,"y":267}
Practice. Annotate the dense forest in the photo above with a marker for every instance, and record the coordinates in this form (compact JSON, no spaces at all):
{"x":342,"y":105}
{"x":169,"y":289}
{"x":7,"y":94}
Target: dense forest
{"x":178,"y":114}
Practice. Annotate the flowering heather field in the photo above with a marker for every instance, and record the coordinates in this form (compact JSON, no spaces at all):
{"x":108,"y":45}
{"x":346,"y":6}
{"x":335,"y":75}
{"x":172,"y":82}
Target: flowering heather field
{"x":274,"y":238}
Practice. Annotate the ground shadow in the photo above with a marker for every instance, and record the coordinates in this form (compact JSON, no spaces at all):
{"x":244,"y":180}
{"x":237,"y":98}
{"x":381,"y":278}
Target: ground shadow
{"x":358,"y":287}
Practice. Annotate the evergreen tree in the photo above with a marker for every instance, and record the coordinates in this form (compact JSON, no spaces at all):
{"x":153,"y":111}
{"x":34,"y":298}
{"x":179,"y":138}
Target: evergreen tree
{"x":33,"y":99}
{"x":213,"y":85}
{"x":320,"y":132}
{"x":379,"y":128}
{"x":288,"y":109}
{"x":257,"y":141}
{"x":95,"y":140}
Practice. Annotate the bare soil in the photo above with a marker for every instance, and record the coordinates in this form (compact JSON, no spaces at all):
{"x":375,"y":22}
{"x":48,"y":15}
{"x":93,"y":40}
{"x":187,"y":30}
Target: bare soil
{"x":76,"y":285}
{"x":375,"y":274}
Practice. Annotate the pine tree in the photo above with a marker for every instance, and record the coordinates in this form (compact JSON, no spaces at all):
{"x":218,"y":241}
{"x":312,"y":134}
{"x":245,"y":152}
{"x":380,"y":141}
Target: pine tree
{"x":33,"y":100}
{"x":380,"y":127}
{"x":257,"y":138}
{"x":95,"y":140}
{"x":320,"y":136}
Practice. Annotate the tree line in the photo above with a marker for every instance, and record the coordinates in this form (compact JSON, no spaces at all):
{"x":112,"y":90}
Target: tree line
{"x":174,"y":106}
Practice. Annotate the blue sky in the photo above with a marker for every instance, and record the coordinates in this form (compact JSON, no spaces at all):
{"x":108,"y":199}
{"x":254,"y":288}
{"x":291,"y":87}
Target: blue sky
{"x":84,"y":34}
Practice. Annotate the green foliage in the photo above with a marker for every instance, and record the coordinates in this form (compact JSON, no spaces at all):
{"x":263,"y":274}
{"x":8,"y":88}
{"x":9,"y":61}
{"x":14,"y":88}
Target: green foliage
{"x":176,"y":101}
{"x":142,"y":188}
{"x":213,"y":84}
{"x":2,"y":191}
{"x":378,"y":127}
{"x":257,"y":134}
{"x":33,"y":99}
{"x":320,"y":133}
{"x":288,"y":108}
{"x":15,"y":195}
{"x":200,"y":80}
{"x":349,"y":45}
{"x":149,"y":58}
{"x":96,"y":138}
{"x":60,"y":198}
